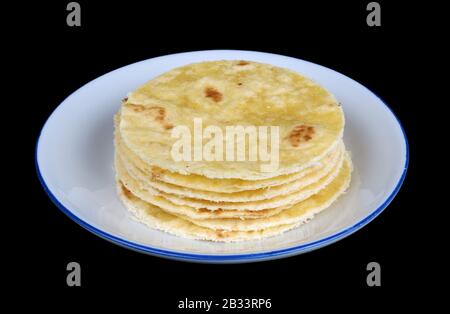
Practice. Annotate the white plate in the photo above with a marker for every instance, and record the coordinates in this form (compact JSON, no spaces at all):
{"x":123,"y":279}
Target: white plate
{"x":74,"y":161}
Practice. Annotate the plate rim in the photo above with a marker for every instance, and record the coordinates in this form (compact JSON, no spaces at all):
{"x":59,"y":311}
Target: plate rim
{"x":227,"y":258}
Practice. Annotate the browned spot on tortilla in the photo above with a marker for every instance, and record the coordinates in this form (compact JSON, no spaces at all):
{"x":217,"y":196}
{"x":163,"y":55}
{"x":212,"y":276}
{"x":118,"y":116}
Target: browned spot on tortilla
{"x":206,"y":210}
{"x":221,"y":233}
{"x":161,"y":117}
{"x":168,"y":126}
{"x":300,"y":133}
{"x":242,"y":62}
{"x":125,"y":190}
{"x":213,"y":93}
{"x":259,"y":213}
{"x":240,"y":84}
{"x":136,"y":108}
{"x":157,"y":172}
{"x":159,"y":113}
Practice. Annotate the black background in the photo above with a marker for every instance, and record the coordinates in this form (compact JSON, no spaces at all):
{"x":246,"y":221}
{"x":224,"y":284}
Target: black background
{"x":331,"y":34}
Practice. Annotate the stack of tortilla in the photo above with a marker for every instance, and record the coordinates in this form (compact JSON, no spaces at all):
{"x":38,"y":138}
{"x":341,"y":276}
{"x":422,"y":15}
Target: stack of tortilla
{"x":230,"y":200}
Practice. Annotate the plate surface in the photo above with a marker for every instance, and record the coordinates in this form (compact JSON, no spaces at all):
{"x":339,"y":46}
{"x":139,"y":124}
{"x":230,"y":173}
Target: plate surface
{"x":74,"y":161}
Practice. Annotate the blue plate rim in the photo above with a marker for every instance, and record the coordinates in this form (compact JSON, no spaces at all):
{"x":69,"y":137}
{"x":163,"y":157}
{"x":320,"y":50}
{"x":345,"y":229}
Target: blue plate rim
{"x":229,"y":257}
